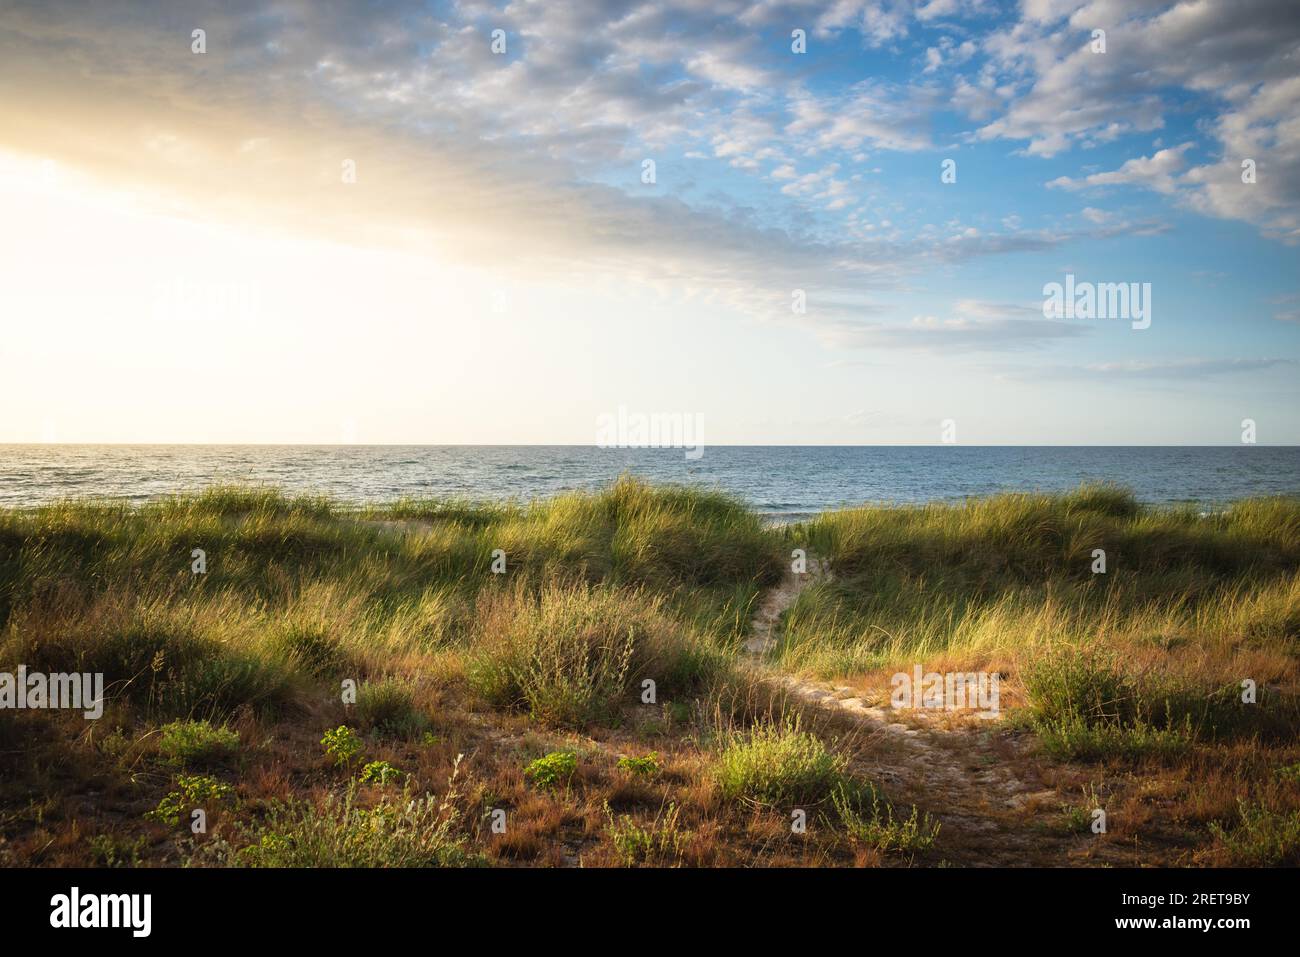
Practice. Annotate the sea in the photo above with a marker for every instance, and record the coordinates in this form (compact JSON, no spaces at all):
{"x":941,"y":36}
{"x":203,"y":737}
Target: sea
{"x":784,"y":483}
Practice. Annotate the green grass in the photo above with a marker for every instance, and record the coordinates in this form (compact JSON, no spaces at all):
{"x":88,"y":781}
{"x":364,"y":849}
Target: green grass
{"x":608,"y":590}
{"x":388,"y":706}
{"x":573,"y":656}
{"x":1261,"y":837}
{"x":196,"y":743}
{"x":1073,"y":739}
{"x":778,"y":764}
{"x":659,"y":843}
{"x":301,"y":589}
{"x":1093,"y":691}
{"x":870,"y":821}
{"x":1189,"y":605}
{"x":396,"y":832}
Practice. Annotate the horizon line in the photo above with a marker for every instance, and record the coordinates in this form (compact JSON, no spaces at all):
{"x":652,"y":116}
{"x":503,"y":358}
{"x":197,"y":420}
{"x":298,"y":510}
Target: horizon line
{"x":644,"y":448}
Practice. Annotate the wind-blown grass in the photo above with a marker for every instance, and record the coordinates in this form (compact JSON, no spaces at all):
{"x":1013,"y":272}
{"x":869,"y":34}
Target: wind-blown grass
{"x":298,"y":590}
{"x":601,"y":593}
{"x":572,"y":655}
{"x":1195,"y":602}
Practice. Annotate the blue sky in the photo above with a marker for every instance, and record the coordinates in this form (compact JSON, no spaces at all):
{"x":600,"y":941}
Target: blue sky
{"x":507,"y":189}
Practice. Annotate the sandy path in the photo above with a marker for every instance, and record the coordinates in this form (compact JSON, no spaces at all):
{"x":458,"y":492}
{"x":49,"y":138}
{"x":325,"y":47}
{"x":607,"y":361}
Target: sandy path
{"x":970,"y":775}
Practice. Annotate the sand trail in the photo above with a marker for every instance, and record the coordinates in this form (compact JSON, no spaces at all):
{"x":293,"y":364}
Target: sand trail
{"x":971,"y":775}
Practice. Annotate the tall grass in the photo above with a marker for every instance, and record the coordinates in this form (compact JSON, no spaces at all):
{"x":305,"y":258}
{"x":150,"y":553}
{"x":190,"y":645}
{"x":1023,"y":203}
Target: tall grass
{"x":572,"y":655}
{"x":603,"y":592}
{"x":778,"y":763}
{"x":300,"y":591}
{"x":1209,"y":598}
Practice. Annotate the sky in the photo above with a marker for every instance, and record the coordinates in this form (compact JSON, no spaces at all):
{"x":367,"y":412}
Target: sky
{"x":791,"y":222}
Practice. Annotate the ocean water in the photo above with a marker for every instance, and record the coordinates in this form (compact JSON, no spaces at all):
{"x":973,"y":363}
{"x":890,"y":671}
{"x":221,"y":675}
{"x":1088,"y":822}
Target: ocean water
{"x":784,"y":482}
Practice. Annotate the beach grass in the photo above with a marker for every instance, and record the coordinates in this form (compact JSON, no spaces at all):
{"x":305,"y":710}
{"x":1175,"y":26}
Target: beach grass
{"x":236,"y":625}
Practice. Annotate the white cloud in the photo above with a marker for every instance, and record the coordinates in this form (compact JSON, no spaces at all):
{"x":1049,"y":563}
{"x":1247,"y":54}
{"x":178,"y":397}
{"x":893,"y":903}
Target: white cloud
{"x":1158,"y":172}
{"x":1238,"y":56}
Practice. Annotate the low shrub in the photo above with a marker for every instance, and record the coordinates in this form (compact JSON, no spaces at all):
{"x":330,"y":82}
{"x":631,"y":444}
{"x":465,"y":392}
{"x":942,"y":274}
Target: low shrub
{"x":396,"y":832}
{"x":196,"y":742}
{"x":388,"y":706}
{"x":778,"y":764}
{"x":571,"y":656}
{"x":552,"y":770}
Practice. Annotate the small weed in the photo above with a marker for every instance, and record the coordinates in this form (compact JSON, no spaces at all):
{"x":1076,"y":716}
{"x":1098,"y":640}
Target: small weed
{"x":778,"y":765}
{"x":1074,"y":739}
{"x":342,"y":744}
{"x":1077,"y":818}
{"x":659,"y":843}
{"x":107,"y":850}
{"x":552,"y":770}
{"x":646,"y":766}
{"x":397,"y":832}
{"x":379,"y":772}
{"x":388,"y":706}
{"x":195,"y":790}
{"x":880,"y":830}
{"x":1290,"y":772}
{"x":196,"y":742}
{"x":1262,"y":838}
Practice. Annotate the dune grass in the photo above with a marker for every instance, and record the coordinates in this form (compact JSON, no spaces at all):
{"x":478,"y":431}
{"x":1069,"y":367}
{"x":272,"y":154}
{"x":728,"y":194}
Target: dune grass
{"x":296,"y":590}
{"x":620,"y":614}
{"x":1206,"y":600}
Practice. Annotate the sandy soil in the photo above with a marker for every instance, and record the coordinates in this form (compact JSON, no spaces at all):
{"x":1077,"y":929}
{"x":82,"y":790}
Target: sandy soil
{"x":980,"y":780}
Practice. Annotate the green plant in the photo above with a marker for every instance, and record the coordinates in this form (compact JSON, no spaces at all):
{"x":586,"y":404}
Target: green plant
{"x":114,"y":744}
{"x":388,"y":706}
{"x":645,"y":766}
{"x":778,"y":764}
{"x":312,"y":648}
{"x":379,"y":772}
{"x":571,"y":654}
{"x":879,"y":830}
{"x":196,"y":742}
{"x":193,"y":790}
{"x":1099,"y":689}
{"x":1290,"y":773}
{"x":1262,"y":837}
{"x":396,"y":832}
{"x":678,"y":712}
{"x":1074,"y":739}
{"x":1077,"y":818}
{"x":659,"y":843}
{"x":157,"y":655}
{"x":342,"y":744}
{"x":552,"y":770}
{"x":108,"y":850}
